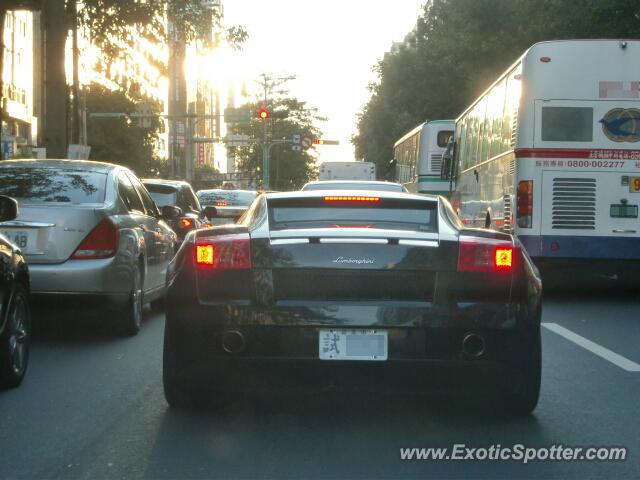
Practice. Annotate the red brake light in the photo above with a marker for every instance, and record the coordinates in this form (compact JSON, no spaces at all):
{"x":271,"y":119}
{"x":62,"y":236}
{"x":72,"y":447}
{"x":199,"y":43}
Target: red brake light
{"x":478,"y":254}
{"x":224,"y":252}
{"x":524,"y":209}
{"x":351,"y":198}
{"x":102,"y":242}
{"x":186,"y":223}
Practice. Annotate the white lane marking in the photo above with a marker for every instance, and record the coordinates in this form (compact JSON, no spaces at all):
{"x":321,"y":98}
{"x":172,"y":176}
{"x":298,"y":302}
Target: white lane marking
{"x":599,"y":350}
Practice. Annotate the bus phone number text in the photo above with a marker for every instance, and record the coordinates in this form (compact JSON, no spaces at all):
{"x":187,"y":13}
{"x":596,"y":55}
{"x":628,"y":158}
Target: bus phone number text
{"x":595,"y":163}
{"x":586,"y":163}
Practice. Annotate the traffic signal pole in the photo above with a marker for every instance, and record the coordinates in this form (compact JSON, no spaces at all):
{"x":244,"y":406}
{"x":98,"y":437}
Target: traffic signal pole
{"x":265,"y":147}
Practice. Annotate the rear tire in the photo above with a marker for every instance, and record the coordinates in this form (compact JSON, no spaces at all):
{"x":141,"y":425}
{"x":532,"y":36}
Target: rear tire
{"x":131,"y":315}
{"x":15,"y":340}
{"x":182,"y":389}
{"x":178,"y":389}
{"x":522,"y":390}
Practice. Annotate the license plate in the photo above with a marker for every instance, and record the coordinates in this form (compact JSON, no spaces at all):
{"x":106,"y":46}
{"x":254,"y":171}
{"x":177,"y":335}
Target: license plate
{"x":353,"y":344}
{"x":24,"y":239}
{"x":634,"y":184}
{"x":624,"y":211}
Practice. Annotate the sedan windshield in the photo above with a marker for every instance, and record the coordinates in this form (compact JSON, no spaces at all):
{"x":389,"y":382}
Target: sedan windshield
{"x":226,"y":198}
{"x":33,"y":184}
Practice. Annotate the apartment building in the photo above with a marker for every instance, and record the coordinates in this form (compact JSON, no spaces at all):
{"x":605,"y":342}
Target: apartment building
{"x":20,"y":122}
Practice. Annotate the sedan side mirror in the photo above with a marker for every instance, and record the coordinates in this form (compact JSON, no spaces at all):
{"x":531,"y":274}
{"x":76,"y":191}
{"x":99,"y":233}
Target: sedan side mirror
{"x":8,"y":208}
{"x":210,"y":212}
{"x":169,"y":212}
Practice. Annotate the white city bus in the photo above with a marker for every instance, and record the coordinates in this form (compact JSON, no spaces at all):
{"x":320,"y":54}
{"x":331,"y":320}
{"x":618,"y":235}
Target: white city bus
{"x":551,"y":152}
{"x":347,"y":171}
{"x":418,"y":154}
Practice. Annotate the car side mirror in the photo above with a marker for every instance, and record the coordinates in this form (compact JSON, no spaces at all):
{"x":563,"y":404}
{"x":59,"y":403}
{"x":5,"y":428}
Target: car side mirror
{"x":210,"y":211}
{"x":170,"y":212}
{"x":8,"y":208}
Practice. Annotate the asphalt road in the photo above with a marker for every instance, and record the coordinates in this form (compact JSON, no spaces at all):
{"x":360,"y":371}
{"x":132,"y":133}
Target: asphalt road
{"x":92,"y":407}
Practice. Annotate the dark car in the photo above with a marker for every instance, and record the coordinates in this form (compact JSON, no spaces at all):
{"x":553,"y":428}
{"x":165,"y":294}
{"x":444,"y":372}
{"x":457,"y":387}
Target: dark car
{"x":378,"y":291}
{"x":354,"y":185}
{"x":226,"y":204}
{"x":15,"y":316}
{"x":179,"y":194}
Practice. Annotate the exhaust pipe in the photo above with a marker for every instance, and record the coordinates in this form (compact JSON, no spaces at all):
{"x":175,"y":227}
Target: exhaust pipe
{"x":473,"y":345}
{"x":233,"y":342}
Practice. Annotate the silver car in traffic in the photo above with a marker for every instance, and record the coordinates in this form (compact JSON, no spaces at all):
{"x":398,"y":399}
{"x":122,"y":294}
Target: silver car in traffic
{"x":90,"y":232}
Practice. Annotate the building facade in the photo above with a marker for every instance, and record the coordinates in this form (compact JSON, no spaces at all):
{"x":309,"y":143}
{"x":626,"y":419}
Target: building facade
{"x":19,"y":123}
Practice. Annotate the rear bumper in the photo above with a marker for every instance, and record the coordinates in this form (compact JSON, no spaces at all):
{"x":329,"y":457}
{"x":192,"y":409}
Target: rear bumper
{"x":285,"y":357}
{"x":581,"y":247}
{"x":102,"y":277}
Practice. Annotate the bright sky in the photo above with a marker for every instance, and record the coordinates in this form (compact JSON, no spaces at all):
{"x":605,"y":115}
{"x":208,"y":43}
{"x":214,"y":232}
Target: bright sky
{"x":330,"y":46}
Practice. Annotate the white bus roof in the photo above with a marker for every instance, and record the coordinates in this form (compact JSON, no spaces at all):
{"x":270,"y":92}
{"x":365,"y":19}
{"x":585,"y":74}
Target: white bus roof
{"x":420,"y":127}
{"x":570,"y":74}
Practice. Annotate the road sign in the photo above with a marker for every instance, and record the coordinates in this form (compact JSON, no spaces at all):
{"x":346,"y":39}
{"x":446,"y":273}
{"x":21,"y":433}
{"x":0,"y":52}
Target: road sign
{"x":201,"y":158}
{"x":320,"y":141}
{"x":238,"y":140}
{"x":8,"y":147}
{"x":295,"y":142}
{"x":306,"y":142}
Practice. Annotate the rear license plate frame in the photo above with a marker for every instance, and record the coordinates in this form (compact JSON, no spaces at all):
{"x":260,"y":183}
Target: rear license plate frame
{"x":353,"y":344}
{"x":623,"y":210}
{"x":16,"y":236}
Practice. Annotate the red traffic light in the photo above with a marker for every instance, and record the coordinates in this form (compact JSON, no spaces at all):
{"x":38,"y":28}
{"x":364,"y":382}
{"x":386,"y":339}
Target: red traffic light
{"x":263,"y":113}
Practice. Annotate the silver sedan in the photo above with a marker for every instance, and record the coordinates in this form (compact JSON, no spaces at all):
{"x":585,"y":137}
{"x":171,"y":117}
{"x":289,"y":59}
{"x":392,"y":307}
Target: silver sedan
{"x":91,"y":233}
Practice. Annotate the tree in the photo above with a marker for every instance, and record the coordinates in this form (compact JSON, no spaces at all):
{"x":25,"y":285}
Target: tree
{"x":122,"y":140}
{"x":110,"y":24}
{"x":288,"y":169}
{"x":459,"y":47}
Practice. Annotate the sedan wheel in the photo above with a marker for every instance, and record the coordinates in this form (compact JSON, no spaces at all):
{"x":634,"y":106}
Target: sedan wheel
{"x":132,"y":313}
{"x":14,"y":343}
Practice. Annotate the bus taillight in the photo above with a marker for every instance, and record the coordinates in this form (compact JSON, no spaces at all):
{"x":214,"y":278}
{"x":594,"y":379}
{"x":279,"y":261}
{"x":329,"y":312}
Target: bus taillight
{"x":525,"y":203}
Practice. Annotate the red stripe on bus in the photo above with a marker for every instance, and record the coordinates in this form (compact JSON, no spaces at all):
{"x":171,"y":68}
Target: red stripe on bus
{"x":592,"y":153}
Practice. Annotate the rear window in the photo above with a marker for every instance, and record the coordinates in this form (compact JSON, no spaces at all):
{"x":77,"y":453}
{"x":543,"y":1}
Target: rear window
{"x":393,"y":214}
{"x":385,"y":187}
{"x":230,"y":198}
{"x":45,"y":185}
{"x":567,"y":124}
{"x":162,"y":195}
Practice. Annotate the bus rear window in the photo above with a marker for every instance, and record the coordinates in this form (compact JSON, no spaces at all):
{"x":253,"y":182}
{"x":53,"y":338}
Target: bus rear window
{"x":392,"y":214}
{"x":443,"y":137}
{"x":567,"y":124}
